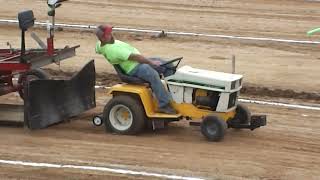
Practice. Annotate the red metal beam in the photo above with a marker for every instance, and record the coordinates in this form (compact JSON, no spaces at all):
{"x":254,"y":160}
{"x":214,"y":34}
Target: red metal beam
{"x":9,"y":57}
{"x":5,"y":51}
{"x":13,"y":66}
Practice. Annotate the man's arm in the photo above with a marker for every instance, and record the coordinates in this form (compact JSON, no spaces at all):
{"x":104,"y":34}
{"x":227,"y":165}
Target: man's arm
{"x":141,"y":59}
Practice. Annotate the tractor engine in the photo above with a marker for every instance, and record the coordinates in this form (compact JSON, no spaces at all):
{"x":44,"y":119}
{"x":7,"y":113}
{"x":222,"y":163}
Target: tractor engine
{"x":205,"y":99}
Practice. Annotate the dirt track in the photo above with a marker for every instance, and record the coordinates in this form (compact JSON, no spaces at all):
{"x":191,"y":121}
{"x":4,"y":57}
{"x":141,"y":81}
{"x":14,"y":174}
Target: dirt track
{"x":288,"y":148}
{"x":285,"y":18}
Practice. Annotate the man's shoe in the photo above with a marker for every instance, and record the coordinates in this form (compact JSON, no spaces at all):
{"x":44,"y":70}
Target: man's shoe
{"x":167,"y":110}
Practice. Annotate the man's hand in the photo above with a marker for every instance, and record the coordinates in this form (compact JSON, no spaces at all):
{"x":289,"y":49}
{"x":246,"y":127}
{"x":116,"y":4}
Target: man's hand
{"x":155,"y":63}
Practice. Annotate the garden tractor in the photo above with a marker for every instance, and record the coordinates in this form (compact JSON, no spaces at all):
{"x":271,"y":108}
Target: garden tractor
{"x":205,"y":98}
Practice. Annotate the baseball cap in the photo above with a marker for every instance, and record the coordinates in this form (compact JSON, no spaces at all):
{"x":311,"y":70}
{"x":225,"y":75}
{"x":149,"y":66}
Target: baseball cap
{"x":107,"y":30}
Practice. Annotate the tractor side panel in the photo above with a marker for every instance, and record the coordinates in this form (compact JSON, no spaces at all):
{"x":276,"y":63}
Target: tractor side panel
{"x":190,"y":110}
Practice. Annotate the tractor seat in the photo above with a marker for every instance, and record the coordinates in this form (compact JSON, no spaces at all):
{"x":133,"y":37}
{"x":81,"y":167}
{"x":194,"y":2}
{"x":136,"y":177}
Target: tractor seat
{"x":128,"y":79}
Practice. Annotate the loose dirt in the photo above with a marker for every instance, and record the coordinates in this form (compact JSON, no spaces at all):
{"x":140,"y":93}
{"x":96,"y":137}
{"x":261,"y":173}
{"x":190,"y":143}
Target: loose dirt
{"x":287,"y":148}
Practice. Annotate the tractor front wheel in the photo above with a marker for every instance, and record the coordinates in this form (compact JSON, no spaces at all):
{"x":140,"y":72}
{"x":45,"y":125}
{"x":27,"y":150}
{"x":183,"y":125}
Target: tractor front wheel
{"x":243,"y":115}
{"x":32,"y":75}
{"x":213,"y":128}
{"x":124,"y":115}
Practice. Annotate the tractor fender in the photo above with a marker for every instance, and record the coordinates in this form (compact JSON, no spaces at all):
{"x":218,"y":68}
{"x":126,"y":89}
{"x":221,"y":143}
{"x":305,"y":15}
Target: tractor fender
{"x":141,"y":92}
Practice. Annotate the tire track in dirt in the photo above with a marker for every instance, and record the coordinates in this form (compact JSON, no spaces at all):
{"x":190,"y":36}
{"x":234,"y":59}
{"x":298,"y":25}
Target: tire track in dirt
{"x":212,"y":9}
{"x":243,"y":18}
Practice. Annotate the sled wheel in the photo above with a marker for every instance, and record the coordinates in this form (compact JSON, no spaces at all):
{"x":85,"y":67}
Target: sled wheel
{"x":97,"y":120}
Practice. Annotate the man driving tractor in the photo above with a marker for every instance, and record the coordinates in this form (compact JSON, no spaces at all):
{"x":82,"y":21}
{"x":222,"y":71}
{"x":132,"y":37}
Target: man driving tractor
{"x":132,"y":63}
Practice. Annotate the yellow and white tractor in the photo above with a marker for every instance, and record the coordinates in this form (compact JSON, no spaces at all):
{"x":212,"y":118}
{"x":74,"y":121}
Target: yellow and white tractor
{"x":205,"y":98}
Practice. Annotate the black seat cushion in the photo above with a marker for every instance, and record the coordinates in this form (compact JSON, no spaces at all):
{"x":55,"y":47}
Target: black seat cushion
{"x":126,"y":78}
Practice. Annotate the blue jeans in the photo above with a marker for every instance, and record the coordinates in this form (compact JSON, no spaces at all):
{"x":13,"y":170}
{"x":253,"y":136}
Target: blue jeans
{"x":151,"y":75}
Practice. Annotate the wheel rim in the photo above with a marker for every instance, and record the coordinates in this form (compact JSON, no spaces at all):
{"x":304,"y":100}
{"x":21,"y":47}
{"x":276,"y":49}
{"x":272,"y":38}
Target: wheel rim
{"x":121,"y":117}
{"x":212,"y":128}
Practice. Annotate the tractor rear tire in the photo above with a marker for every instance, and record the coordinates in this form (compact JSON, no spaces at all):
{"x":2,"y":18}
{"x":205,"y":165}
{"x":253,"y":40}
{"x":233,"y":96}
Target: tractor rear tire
{"x":34,"y":74}
{"x":128,"y":106}
{"x":213,"y":128}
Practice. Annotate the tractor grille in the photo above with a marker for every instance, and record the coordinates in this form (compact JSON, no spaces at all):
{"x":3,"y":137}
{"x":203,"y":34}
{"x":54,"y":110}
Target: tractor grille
{"x":233,"y":84}
{"x":232,"y":100}
{"x":236,"y":84}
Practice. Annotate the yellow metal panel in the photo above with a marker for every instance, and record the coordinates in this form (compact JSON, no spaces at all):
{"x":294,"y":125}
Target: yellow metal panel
{"x":197,"y":114}
{"x":201,"y":92}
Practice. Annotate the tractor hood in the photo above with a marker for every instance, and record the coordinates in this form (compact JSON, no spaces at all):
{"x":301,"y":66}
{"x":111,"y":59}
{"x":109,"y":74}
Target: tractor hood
{"x":218,"y":81}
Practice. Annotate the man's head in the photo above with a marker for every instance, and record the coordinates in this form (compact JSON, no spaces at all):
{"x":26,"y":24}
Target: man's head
{"x":104,"y":33}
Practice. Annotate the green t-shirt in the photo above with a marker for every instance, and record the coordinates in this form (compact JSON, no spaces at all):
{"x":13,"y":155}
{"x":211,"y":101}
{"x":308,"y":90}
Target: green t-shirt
{"x":118,"y":53}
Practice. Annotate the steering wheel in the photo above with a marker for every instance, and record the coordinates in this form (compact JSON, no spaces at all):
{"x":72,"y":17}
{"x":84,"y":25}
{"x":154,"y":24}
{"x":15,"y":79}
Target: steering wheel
{"x":174,"y":68}
{"x":55,"y":3}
